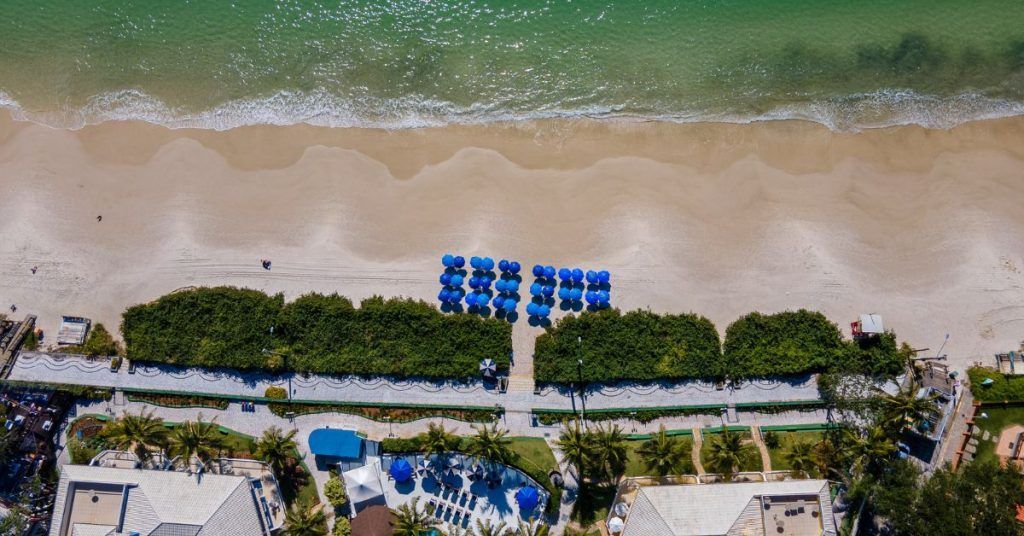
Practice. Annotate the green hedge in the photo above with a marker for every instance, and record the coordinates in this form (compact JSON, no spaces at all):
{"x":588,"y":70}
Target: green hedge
{"x":637,"y":345}
{"x":209,"y":327}
{"x":399,"y":337}
{"x":231,"y":327}
{"x":798,"y":342}
{"x":1003,"y":389}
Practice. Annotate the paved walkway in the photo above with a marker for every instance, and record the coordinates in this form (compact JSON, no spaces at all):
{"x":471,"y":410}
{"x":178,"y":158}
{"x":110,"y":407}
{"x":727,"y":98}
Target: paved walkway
{"x":69,"y":369}
{"x":698,"y":442}
{"x":766,"y":460}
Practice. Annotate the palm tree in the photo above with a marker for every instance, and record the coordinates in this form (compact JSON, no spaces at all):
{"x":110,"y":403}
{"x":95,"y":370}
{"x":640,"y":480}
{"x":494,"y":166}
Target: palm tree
{"x":800,"y":456}
{"x":436,"y":440}
{"x":486,"y":528}
{"x":727,"y":453}
{"x":197,"y":439}
{"x":529,"y":528}
{"x":276,"y":448}
{"x":575,"y":446}
{"x":663,"y":455}
{"x":610,"y":453}
{"x":305,"y":520}
{"x":411,"y":521}
{"x":904,"y":406}
{"x":489,"y":443}
{"x":866,"y":449}
{"x":141,"y":433}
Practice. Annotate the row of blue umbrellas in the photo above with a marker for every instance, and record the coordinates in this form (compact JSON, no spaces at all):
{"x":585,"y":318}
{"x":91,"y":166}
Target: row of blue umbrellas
{"x":527,"y":496}
{"x":480,"y":263}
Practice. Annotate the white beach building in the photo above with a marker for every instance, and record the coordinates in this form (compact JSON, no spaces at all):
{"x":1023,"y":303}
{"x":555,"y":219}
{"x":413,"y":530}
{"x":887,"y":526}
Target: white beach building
{"x":786,"y":508}
{"x":113,"y":501}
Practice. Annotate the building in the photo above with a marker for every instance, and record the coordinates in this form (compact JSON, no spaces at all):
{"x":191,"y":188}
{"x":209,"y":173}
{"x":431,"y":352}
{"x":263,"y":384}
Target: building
{"x":785,"y":508}
{"x":94,"y":500}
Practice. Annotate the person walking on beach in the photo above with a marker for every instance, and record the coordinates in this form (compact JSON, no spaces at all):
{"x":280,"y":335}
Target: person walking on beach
{"x":265,"y":263}
{"x":99,"y":218}
{"x":34,"y":268}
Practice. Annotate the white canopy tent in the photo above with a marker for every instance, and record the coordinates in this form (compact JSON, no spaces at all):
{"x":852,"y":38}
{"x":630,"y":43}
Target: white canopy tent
{"x":363,"y":484}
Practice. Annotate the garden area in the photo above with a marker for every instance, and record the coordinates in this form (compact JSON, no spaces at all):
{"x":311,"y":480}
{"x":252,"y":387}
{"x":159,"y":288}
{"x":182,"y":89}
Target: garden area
{"x":247,"y":329}
{"x":146,"y":435}
{"x":997,"y":419}
{"x":787,"y":447}
{"x":733,"y":449}
{"x":1000,"y":388}
{"x":675,"y":347}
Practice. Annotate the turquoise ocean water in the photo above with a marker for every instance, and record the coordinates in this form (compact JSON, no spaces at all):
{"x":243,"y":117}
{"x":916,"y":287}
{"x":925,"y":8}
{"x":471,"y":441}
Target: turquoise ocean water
{"x":407,"y":63}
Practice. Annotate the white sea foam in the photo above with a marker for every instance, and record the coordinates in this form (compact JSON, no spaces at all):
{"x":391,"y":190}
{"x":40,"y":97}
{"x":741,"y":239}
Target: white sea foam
{"x":854,"y":112}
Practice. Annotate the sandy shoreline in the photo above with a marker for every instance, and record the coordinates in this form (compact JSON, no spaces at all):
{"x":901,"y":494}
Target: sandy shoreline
{"x":923,"y":226}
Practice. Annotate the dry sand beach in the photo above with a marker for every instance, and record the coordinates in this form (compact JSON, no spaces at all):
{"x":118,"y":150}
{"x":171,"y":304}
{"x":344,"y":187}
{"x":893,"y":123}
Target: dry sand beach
{"x":925,"y":227}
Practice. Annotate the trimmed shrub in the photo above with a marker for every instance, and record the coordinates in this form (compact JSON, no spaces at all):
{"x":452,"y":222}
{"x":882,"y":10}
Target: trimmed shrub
{"x":783,"y":343}
{"x":334,"y":491}
{"x":342,"y":526}
{"x":277,"y":393}
{"x":210,"y":327}
{"x":637,"y":345}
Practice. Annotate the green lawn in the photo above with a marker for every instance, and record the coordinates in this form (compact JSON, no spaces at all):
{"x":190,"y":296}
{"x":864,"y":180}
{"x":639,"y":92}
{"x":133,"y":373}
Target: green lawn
{"x":786,"y":439}
{"x":593,"y":503}
{"x":535,"y":451}
{"x":636,"y":467}
{"x":750,"y":462}
{"x":998,"y":418}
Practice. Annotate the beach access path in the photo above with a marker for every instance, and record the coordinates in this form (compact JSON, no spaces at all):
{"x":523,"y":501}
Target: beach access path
{"x":77,"y":370}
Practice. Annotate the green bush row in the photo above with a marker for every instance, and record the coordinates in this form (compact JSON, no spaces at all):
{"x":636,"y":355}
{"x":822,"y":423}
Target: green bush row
{"x":1002,"y":389}
{"x":385,"y":414}
{"x":247,"y":329}
{"x":640,"y":345}
{"x":641,"y":415}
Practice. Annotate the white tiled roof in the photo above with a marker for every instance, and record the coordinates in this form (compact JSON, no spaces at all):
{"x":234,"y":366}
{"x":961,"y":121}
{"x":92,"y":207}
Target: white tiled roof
{"x":169,"y":503}
{"x":710,"y":509}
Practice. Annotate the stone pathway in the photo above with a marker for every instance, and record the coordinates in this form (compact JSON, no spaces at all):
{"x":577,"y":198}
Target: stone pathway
{"x":766,"y":460}
{"x":524,"y":337}
{"x":698,"y":442}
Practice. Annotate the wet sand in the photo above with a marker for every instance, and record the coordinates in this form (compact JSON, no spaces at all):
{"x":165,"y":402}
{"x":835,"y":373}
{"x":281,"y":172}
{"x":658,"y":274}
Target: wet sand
{"x":925,"y":227}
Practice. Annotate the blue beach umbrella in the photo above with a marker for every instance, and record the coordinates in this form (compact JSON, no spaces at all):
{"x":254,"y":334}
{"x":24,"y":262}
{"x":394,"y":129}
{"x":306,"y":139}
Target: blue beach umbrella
{"x":474,"y":262}
{"x":455,"y":295}
{"x":514,"y":267}
{"x":538,"y":270}
{"x":485,"y":282}
{"x":527,"y":497}
{"x":548,"y":291}
{"x":443,"y":295}
{"x":482,"y":299}
{"x":543,"y":311}
{"x":456,"y":280}
{"x":604,"y":276}
{"x":577,"y":275}
{"x":575,"y":294}
{"x":591,"y":297}
{"x":499,"y":285}
{"x":509,"y":305}
{"x":400,"y":470}
{"x":487,"y":263}
{"x":503,"y":265}
{"x":536,"y":289}
{"x":591,"y":276}
{"x":460,"y":261}
{"x":474,"y":282}
{"x":565,"y":274}
{"x":531,"y":309}
{"x":511,"y":285}
{"x":448,"y":260}
{"x":603,"y":296}
{"x":446,"y":279}
{"x":549,"y":272}
{"x":563,"y":293}
{"x":498,"y":301}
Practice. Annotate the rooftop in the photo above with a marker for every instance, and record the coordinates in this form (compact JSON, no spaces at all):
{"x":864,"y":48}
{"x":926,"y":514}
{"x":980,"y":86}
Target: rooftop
{"x":791,"y":507}
{"x":120,"y":501}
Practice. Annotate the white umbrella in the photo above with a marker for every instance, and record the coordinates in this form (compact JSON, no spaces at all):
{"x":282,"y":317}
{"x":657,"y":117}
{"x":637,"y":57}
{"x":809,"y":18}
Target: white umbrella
{"x":621,"y":509}
{"x":453,"y":466}
{"x":363,"y":484}
{"x":615,"y":525}
{"x":424,"y":465}
{"x":488,"y":367}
